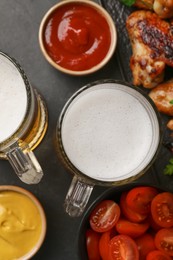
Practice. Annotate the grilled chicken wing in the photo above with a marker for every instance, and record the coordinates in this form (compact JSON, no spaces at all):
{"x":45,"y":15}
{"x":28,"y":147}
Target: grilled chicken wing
{"x":162,"y":95}
{"x":152,"y":46}
{"x":164,"y":8}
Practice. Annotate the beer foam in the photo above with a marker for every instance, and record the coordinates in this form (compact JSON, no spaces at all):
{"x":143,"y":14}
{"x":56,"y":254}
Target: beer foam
{"x":13,"y":98}
{"x":107,"y":133}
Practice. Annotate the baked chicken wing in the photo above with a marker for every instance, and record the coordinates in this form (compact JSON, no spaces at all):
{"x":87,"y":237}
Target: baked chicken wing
{"x":152,"y":47}
{"x":164,"y":8}
{"x":162,"y":95}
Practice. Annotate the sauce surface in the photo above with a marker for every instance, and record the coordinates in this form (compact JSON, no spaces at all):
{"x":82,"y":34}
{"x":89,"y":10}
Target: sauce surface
{"x":20,"y":225}
{"x":77,"y":36}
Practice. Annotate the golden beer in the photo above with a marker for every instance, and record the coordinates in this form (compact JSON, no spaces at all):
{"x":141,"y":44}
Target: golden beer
{"x":23,"y":118}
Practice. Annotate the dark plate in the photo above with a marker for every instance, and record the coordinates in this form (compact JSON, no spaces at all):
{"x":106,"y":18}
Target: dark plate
{"x":119,"y":14}
{"x":112,"y":193}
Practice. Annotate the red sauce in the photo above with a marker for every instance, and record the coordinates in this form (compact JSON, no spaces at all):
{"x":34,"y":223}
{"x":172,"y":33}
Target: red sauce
{"x":77,"y":36}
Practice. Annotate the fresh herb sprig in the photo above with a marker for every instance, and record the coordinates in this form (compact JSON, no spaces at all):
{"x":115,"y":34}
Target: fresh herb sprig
{"x":169,"y":168}
{"x":128,"y":2}
{"x":145,"y":3}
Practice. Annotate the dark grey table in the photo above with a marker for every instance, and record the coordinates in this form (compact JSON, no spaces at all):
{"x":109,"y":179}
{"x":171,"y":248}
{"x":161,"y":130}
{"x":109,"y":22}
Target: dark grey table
{"x":19,"y":25}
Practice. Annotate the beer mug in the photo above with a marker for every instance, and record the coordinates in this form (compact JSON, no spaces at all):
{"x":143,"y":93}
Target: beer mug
{"x":108,"y":134}
{"x":23,"y":120}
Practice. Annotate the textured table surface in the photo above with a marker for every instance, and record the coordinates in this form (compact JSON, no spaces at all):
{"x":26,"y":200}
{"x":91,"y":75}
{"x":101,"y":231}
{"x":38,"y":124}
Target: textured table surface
{"x":19,"y":22}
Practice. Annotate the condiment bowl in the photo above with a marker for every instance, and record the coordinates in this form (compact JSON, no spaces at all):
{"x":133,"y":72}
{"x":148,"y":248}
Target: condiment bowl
{"x":109,"y":194}
{"x":77,"y":37}
{"x":22,"y":223}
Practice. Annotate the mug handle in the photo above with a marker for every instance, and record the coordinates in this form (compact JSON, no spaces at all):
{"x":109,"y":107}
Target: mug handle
{"x":24,"y":164}
{"x":77,"y":197}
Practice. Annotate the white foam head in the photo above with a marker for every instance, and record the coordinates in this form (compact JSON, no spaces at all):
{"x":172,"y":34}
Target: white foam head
{"x":13,"y":98}
{"x":110,"y":132}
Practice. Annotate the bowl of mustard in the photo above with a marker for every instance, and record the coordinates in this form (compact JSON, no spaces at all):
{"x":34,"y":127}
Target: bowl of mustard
{"x":22,"y":223}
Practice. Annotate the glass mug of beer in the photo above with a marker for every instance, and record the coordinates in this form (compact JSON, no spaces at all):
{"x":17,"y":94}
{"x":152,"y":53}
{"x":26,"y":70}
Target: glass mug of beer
{"x":108,"y":134}
{"x":23,"y":120}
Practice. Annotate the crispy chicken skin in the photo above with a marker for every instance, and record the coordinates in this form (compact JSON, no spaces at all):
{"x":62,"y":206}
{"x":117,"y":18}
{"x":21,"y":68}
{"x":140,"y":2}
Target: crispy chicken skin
{"x":162,"y":95}
{"x":152,"y":47}
{"x":164,"y":8}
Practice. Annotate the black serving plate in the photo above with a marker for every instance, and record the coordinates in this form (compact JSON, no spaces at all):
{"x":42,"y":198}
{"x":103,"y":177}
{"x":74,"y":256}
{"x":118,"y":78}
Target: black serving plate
{"x":112,"y":194}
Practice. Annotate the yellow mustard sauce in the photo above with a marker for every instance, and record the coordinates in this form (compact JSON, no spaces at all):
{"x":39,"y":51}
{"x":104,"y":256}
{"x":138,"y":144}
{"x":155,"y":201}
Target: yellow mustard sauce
{"x":20,"y":225}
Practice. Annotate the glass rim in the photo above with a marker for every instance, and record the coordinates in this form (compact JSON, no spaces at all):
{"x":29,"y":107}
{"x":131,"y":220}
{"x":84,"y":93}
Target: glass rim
{"x":146,"y":163}
{"x":12,"y":138}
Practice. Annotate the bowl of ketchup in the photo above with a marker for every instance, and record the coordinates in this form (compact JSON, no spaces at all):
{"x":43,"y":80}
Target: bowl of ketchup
{"x":77,"y":37}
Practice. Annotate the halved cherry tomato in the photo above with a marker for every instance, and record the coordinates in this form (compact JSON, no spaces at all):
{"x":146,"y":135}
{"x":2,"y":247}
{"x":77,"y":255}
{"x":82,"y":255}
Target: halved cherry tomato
{"x":162,"y":209}
{"x":126,"y":227}
{"x":164,"y":240}
{"x":92,"y":244}
{"x":128,"y":213}
{"x":145,"y":244}
{"x":154,"y":226}
{"x":123,"y":247}
{"x":139,"y":198}
{"x":104,"y":216}
{"x":104,"y":243}
{"x":157,"y":255}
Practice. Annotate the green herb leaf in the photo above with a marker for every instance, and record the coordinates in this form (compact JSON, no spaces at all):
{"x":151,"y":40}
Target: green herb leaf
{"x":128,"y":2}
{"x":169,"y":168}
{"x":171,"y":102}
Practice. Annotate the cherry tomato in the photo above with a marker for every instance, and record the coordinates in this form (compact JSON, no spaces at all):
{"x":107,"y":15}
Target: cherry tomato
{"x":139,"y":198}
{"x":123,"y":247}
{"x":145,"y":244}
{"x":162,"y":209}
{"x":157,"y":255}
{"x":155,"y":227}
{"x":126,"y":227}
{"x":92,"y":244}
{"x":164,"y":240}
{"x":128,"y":213}
{"x":104,"y":243}
{"x":104,"y":216}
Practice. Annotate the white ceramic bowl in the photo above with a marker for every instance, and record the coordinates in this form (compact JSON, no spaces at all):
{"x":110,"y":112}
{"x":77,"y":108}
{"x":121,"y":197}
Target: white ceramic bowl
{"x":83,"y":32}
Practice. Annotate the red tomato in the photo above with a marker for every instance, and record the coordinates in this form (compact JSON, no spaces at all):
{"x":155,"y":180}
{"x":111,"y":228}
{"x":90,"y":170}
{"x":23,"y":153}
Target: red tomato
{"x":152,"y":223}
{"x":164,"y":240}
{"x":131,"y":229}
{"x":123,"y":247}
{"x":139,"y":198}
{"x":162,"y":209}
{"x":128,"y":213}
{"x":145,"y":244}
{"x":104,"y":243}
{"x":92,"y":244}
{"x":157,"y":255}
{"x":104,"y":216}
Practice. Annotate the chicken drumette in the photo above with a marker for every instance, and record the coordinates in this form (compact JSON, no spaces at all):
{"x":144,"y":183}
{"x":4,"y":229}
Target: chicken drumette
{"x":164,"y":8}
{"x":152,"y":46}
